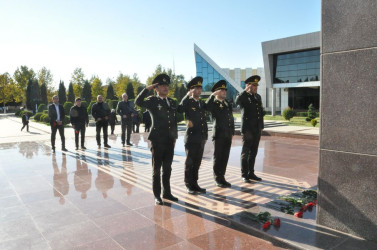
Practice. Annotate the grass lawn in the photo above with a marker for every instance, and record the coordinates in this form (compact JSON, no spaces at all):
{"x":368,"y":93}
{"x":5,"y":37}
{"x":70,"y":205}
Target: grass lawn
{"x":295,"y":121}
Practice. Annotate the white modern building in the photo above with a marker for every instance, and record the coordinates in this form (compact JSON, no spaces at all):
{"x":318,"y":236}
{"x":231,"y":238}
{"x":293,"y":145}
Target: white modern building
{"x":292,"y":71}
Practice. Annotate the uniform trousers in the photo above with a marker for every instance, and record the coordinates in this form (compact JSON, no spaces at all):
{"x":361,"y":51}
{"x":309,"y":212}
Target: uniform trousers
{"x":194,"y":152}
{"x":249,"y":152}
{"x":54,"y":129}
{"x":162,"y":156}
{"x":220,"y":157}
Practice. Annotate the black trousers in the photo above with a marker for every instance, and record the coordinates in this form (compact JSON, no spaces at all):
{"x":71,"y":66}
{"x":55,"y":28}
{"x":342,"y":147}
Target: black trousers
{"x":103,"y":124}
{"x":112,"y":126}
{"x":221,"y":157}
{"x":80,"y":129}
{"x":194,"y":153}
{"x":126,"y":124}
{"x":147,"y":127}
{"x":162,"y":156}
{"x":136,"y":127}
{"x":25,"y":125}
{"x":249,"y":152}
{"x":54,"y":129}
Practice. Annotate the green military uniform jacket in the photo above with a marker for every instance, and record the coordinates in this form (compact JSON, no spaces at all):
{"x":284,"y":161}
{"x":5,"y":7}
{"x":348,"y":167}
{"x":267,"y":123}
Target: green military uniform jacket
{"x":252,"y":112}
{"x":195,"y":114}
{"x":223,"y":126}
{"x":164,"y":121}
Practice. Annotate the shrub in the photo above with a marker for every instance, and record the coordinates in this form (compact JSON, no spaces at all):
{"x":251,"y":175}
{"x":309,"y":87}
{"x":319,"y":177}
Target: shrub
{"x":84,"y":104}
{"x":42,"y":107}
{"x":45,"y":112}
{"x":314,"y":122}
{"x":30,"y":114}
{"x":288,"y":113}
{"x":67,"y":107}
{"x":302,"y":114}
{"x":66,"y":120}
{"x":18,"y":112}
{"x":37,"y":116}
{"x":311,"y":113}
{"x":44,"y":118}
{"x":90,"y":107}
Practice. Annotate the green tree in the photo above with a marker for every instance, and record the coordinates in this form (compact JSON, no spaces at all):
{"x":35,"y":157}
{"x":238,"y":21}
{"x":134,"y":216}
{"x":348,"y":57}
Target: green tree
{"x":77,"y":79}
{"x":130,"y":91}
{"x":35,"y":94}
{"x":22,"y":75}
{"x":121,"y":84}
{"x":175,"y":80}
{"x":45,"y":77}
{"x":29,"y":94}
{"x":110,"y":93}
{"x":87,"y":92}
{"x":139,"y":89}
{"x":311,"y":113}
{"x":62,"y":93}
{"x":96,"y":87}
{"x":43,"y":89}
{"x":71,"y":95}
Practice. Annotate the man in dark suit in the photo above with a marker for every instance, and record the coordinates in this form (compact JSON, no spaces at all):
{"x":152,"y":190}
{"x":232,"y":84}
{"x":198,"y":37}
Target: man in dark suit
{"x":56,"y":115}
{"x":163,"y":133}
{"x":101,"y":114}
{"x":125,"y":110}
{"x":196,"y":133}
{"x":222,"y":131}
{"x":25,"y":121}
{"x":251,"y":126}
{"x":79,"y":120}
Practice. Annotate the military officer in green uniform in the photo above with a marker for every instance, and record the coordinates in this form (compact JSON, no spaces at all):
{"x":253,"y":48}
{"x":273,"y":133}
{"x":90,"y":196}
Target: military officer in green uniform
{"x":196,"y":133}
{"x":251,"y":126}
{"x":163,"y":134}
{"x":222,"y":131}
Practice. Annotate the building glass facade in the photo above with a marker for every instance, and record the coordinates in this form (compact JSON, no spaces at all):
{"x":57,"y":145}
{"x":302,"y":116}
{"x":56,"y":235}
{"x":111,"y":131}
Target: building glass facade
{"x":294,"y":67}
{"x":211,"y":76}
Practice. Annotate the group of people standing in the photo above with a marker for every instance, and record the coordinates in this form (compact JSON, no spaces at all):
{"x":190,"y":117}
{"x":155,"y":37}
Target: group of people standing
{"x":163,"y":132}
{"x":102,"y":116}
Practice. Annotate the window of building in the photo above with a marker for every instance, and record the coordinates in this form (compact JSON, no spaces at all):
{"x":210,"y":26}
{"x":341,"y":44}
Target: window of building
{"x":302,"y":66}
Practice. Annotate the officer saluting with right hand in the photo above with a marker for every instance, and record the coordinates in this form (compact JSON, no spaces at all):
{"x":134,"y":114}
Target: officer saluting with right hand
{"x":163,"y":134}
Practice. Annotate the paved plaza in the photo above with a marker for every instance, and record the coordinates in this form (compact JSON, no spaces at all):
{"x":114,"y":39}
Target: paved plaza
{"x":102,"y":198}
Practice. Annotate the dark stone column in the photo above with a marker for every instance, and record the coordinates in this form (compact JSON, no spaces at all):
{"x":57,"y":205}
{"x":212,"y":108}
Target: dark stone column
{"x":348,"y":142}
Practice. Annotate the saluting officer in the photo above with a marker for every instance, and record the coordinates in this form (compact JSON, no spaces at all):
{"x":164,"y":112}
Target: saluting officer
{"x":196,"y":133}
{"x":251,"y":126}
{"x":163,"y":133}
{"x":222,"y":131}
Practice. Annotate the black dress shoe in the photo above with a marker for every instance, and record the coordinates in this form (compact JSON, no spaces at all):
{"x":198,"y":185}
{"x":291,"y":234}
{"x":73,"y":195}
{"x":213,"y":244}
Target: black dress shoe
{"x":83,"y":147}
{"x":158,"y":201}
{"x":170,"y":197}
{"x":246,"y":180}
{"x":129,"y":144}
{"x":220,"y":184}
{"x":190,"y":190}
{"x":123,"y":144}
{"x":198,"y":189}
{"x":77,"y":148}
{"x":99,"y":146}
{"x":53,"y":150}
{"x":227,"y":184}
{"x":255,"y":178}
{"x":107,"y":146}
{"x":64,"y":149}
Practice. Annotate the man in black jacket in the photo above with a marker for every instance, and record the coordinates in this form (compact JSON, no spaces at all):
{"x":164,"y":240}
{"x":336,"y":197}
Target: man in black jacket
{"x":101,"y":113}
{"x":222,"y":131}
{"x":251,"y":126}
{"x":125,"y":110}
{"x":79,"y":120}
{"x":25,"y":121}
{"x":56,"y":115}
{"x":163,"y":133}
{"x":196,"y":134}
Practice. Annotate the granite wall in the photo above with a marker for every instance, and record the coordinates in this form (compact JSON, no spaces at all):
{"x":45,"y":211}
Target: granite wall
{"x":348,"y":142}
